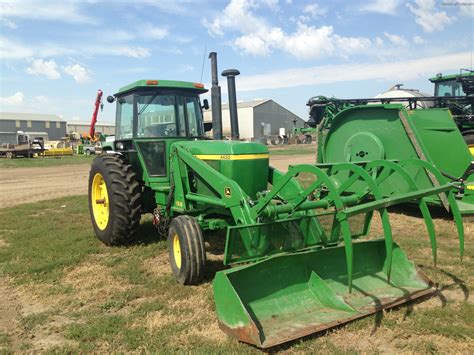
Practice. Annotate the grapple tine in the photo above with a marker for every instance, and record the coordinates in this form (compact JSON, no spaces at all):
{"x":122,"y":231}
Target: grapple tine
{"x":387,"y":231}
{"x":430,"y":227}
{"x":453,"y":206}
{"x":458,"y":220}
{"x":346,"y":233}
{"x":373,"y":188}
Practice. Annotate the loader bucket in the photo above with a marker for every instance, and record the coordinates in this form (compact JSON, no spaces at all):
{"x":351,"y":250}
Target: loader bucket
{"x":292,"y":295}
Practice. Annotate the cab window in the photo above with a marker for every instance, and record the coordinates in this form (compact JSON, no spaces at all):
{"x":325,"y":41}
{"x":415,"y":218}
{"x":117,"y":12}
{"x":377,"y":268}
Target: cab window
{"x":449,"y":88}
{"x":193,"y":111}
{"x":124,"y":128}
{"x":157,"y":116}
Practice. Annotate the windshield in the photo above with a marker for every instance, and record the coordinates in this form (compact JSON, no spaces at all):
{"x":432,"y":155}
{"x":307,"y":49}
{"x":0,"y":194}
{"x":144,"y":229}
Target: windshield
{"x":449,"y":88}
{"x":165,"y":116}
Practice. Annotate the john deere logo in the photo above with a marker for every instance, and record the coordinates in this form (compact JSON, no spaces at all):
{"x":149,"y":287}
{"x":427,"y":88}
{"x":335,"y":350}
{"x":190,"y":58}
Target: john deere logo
{"x":227,"y":192}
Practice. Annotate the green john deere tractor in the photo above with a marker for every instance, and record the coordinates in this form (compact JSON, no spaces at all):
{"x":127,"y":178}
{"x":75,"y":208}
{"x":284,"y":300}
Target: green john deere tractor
{"x":295,"y":261}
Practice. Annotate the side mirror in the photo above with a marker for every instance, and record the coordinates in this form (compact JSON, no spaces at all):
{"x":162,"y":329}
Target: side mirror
{"x":110,"y":99}
{"x":207,"y":126}
{"x":205,"y":105}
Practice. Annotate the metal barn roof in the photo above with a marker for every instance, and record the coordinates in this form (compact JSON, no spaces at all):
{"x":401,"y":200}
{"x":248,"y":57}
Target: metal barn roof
{"x":7,"y":116}
{"x":88,"y":123}
{"x":244,"y":104}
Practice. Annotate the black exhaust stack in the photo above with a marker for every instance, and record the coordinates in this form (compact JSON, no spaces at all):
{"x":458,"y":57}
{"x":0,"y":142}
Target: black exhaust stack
{"x":234,"y":120}
{"x":216,"y":103}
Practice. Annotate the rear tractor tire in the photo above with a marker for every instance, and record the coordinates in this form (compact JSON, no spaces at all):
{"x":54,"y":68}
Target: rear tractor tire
{"x":114,"y":200}
{"x":186,"y":250}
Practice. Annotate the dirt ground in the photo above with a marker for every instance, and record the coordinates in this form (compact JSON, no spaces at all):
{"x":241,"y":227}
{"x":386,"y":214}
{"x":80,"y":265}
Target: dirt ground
{"x":26,"y":185}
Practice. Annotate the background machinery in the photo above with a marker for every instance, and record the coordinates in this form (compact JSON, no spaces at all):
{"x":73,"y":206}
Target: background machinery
{"x":455,"y":92}
{"x":294,"y":262}
{"x":25,"y":146}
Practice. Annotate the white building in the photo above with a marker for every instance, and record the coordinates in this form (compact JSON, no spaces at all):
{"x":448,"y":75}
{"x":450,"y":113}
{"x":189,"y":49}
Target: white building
{"x":258,"y":118}
{"x":84,"y":127}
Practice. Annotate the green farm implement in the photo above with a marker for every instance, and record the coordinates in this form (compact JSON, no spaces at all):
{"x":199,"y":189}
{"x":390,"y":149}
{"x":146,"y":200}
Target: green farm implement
{"x":398,"y":129}
{"x":295,"y":256}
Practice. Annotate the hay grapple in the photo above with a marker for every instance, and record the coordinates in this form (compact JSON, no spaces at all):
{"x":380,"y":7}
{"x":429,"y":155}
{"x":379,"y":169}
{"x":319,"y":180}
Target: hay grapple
{"x":294,"y":250}
{"x":363,"y":130}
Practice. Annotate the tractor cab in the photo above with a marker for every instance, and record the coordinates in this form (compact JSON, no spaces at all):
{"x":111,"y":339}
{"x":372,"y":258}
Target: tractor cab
{"x":454,"y":85}
{"x":151,"y":115}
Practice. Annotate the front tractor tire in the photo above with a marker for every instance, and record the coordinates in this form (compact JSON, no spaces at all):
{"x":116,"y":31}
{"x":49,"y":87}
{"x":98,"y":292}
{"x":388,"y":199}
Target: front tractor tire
{"x":186,"y":250}
{"x":114,"y":200}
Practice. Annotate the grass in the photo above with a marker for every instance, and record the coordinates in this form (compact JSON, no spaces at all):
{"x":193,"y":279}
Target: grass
{"x":41,"y":162}
{"x":76,"y":295}
{"x":87,"y":159}
{"x":294,"y":150}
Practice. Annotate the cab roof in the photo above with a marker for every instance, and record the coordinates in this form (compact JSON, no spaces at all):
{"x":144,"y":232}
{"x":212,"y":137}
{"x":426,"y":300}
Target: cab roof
{"x":449,"y":77}
{"x":168,"y":84}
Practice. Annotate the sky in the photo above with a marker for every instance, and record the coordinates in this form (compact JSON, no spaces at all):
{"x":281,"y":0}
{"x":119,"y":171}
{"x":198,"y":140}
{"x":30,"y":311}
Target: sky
{"x":55,"y":55}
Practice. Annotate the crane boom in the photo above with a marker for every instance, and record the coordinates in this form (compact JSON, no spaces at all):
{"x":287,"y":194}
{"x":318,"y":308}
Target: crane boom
{"x":98,"y":102}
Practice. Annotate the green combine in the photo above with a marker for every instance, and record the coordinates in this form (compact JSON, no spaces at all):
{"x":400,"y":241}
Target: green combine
{"x":295,"y":256}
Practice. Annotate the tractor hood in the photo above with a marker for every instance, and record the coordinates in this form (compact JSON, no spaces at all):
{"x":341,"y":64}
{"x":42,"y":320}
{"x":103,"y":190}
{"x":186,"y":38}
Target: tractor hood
{"x":245,"y":162}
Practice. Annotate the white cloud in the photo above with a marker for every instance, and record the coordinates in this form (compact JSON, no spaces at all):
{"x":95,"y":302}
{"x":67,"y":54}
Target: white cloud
{"x":153,"y":32}
{"x":259,"y":38}
{"x":467,"y":10}
{"x":418,"y":40}
{"x":127,"y":51}
{"x":328,"y":74}
{"x":7,"y":23}
{"x":62,"y":11}
{"x":15,"y":49}
{"x":396,"y":39}
{"x":41,"y":67}
{"x":41,"y":99}
{"x":307,"y":42}
{"x":116,"y":35}
{"x":11,"y":49}
{"x":428,"y":16}
{"x":185,"y":68}
{"x":175,"y":7}
{"x":80,"y":74}
{"x":252,"y":44}
{"x":315,"y":10}
{"x":387,"y":7}
{"x":236,"y":15}
{"x":16,"y":99}
{"x":19,"y":102}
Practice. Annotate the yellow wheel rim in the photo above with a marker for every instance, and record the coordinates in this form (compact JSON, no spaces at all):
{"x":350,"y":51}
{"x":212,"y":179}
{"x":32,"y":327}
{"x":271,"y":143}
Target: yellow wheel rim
{"x":471,"y":149}
{"x":100,"y":201}
{"x":177,"y":251}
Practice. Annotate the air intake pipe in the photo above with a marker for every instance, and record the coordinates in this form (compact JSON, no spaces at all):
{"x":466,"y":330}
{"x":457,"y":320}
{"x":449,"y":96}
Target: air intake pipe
{"x":216,"y":104}
{"x":234,"y":120}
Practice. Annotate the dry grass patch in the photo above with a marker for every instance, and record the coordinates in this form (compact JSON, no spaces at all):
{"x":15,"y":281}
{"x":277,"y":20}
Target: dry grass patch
{"x":158,"y":266}
{"x":93,"y":282}
{"x":386,"y":340}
